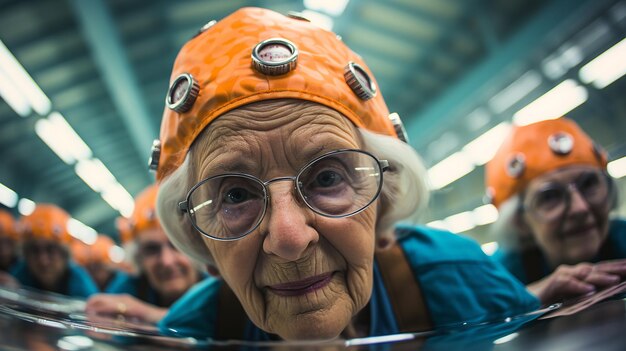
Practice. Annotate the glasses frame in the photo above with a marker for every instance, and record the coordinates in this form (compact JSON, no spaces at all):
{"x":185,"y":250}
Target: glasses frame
{"x":570,"y":186}
{"x":183,"y":206}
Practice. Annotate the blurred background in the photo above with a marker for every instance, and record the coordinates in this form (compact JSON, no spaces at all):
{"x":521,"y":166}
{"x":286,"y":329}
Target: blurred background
{"x":83,"y":83}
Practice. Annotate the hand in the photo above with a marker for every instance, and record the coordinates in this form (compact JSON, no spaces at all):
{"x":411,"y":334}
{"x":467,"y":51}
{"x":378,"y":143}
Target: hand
{"x":8,"y":281}
{"x":571,"y":281}
{"x":123,"y":307}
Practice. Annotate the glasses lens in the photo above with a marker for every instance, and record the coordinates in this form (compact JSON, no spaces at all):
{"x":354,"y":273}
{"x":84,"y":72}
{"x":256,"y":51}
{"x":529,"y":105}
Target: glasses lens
{"x":341,"y":183}
{"x":550,"y":201}
{"x":227,"y":206}
{"x":593,"y":186}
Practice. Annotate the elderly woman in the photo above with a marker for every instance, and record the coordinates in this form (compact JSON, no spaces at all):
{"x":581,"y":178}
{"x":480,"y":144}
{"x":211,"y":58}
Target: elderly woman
{"x":47,"y":263}
{"x":96,"y":259}
{"x":165,"y":274}
{"x":550,"y":183}
{"x":280,"y":168}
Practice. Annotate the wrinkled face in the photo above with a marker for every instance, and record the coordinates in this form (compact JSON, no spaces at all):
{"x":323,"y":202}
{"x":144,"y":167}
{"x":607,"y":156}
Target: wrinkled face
{"x":299,"y":275}
{"x":46,"y":260}
{"x":169,"y":272}
{"x":576,"y":233}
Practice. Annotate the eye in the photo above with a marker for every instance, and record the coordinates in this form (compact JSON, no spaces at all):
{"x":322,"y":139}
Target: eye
{"x":548,"y":198}
{"x":588,"y":182}
{"x":236,"y":196}
{"x":328,"y":178}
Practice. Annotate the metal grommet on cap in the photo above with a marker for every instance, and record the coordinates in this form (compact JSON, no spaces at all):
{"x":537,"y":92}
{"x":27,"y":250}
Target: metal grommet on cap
{"x":155,"y":153}
{"x":516,"y":165}
{"x":359,"y":81}
{"x":183,"y":93}
{"x":561,"y":143}
{"x":398,"y":126}
{"x":275,"y":56}
{"x":205,"y":27}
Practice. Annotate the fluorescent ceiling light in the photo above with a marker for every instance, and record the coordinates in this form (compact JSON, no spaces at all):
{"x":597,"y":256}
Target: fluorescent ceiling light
{"x":617,"y":168}
{"x":489,"y":248}
{"x":516,"y":91}
{"x":81,"y":231}
{"x":483,"y":148}
{"x":606,"y":67}
{"x":119,"y":199}
{"x":62,"y":139}
{"x":331,"y":7}
{"x":8,"y":197}
{"x":460,"y":222}
{"x":25,"y":206}
{"x":95,"y":174}
{"x":448,"y":170}
{"x":23,"y":82}
{"x":485,"y":214}
{"x":13,"y":97}
{"x":320,"y":19}
{"x":554,"y":104}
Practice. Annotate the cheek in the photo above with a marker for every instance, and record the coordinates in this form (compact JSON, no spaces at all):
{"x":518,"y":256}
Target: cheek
{"x":236,"y":260}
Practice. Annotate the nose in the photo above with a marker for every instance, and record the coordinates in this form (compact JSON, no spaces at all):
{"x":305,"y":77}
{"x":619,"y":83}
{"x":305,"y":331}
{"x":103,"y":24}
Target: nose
{"x":287,"y":225}
{"x":168,"y":255}
{"x":578,"y":204}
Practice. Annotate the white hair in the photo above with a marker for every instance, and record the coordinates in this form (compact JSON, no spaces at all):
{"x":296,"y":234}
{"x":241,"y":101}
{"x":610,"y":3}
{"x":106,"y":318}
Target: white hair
{"x":403,"y":197}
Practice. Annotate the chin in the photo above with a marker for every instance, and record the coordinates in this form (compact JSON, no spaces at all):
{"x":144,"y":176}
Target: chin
{"x":322,"y":325}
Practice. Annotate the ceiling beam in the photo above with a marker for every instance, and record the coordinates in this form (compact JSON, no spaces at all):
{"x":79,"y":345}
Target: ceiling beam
{"x":555,"y":16}
{"x":117,"y":72}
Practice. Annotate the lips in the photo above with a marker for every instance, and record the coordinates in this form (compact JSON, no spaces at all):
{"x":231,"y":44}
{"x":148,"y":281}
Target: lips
{"x":579,"y":231}
{"x":301,"y":287}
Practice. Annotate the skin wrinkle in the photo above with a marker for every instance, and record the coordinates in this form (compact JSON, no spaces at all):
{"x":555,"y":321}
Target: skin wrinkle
{"x":280,"y":146}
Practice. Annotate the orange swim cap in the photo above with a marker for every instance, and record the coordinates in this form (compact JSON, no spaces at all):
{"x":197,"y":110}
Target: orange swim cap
{"x":84,"y":254}
{"x":256,"y":54}
{"x":143,"y":217}
{"x":535,"y":149}
{"x":7,"y":225}
{"x":46,"y":222}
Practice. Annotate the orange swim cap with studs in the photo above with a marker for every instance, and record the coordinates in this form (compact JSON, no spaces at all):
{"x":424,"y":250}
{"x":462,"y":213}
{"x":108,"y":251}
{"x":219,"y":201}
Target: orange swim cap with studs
{"x":144,"y":215}
{"x":46,"y":222}
{"x":535,"y":149}
{"x":256,"y":54}
{"x":84,"y":254}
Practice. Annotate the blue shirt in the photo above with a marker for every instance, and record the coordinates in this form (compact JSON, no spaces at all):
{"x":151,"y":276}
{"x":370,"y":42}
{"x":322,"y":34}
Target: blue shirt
{"x":514,"y":259}
{"x":78,"y":282}
{"x":458,"y":281}
{"x":137,"y":286}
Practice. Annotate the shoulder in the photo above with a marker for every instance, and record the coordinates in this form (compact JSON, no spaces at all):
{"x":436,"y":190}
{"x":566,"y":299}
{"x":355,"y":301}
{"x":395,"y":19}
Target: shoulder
{"x":459,"y":281}
{"x":81,"y":283}
{"x":123,"y":283}
{"x":195,"y":313}
{"x":430,"y":245}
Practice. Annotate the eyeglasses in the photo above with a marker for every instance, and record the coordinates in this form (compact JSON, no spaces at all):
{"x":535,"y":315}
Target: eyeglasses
{"x":338,"y":184}
{"x":553,"y":199}
{"x":153,"y":248}
{"x":41,"y":249}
